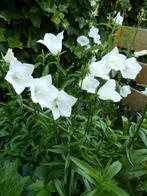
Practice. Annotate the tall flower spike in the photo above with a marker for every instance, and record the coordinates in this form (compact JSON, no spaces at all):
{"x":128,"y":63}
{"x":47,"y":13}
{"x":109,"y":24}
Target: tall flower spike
{"x":9,"y":56}
{"x":89,"y":84}
{"x":132,"y":68}
{"x":41,"y":90}
{"x":19,"y":75}
{"x":53,"y":42}
{"x":62,"y":104}
{"x":107,"y":91}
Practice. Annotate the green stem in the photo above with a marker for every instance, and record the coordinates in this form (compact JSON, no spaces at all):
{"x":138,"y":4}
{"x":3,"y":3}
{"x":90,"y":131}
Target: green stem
{"x":138,"y":127}
{"x":32,"y":110}
{"x":90,"y":114}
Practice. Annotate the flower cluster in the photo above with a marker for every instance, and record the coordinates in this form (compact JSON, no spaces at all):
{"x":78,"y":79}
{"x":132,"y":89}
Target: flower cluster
{"x":93,"y":33}
{"x":128,"y":67}
{"x":58,"y":101}
{"x":42,"y":90}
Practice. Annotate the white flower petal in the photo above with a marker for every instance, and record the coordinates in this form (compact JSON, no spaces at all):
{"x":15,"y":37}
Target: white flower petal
{"x":115,"y":60}
{"x":61,"y":104}
{"x":52,"y":42}
{"x":42,"y":91}
{"x":125,"y":91}
{"x":89,"y":84}
{"x":93,"y":32}
{"x":118,"y":19}
{"x":67,"y":99}
{"x":59,"y":40}
{"x":97,"y":40}
{"x":132,"y":68}
{"x":9,"y":56}
{"x":107,"y":91}
{"x":65,"y":110}
{"x":56,"y":113}
{"x":140,"y":53}
{"x":19,"y":75}
{"x":100,"y":69}
{"x":83,"y":40}
{"x":16,"y":81}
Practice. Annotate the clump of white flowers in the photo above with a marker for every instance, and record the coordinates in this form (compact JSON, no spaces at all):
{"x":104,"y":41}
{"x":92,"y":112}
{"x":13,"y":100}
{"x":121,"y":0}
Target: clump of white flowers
{"x":113,"y":60}
{"x":58,"y":101}
{"x":93,"y":33}
{"x":42,"y":90}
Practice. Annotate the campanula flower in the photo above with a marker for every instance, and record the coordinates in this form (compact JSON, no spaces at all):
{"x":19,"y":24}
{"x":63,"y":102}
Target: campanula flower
{"x":53,"y":42}
{"x":19,"y":75}
{"x":107,"y":91}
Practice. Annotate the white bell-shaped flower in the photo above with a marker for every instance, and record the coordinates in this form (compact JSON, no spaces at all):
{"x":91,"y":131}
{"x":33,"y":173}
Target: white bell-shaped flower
{"x":115,"y":60}
{"x":132,"y":68}
{"x":125,"y":91}
{"x":93,"y":32}
{"x":118,"y":19}
{"x":53,"y":42}
{"x":41,"y":90}
{"x":97,"y":40}
{"x":62,"y":104}
{"x":83,"y":40}
{"x":19,"y":75}
{"x":89,"y":83}
{"x":107,"y":91}
{"x":100,"y":69}
{"x":9,"y":56}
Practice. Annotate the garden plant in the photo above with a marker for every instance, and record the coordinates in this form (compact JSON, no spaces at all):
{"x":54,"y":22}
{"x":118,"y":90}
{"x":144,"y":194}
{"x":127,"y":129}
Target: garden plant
{"x":64,"y":129}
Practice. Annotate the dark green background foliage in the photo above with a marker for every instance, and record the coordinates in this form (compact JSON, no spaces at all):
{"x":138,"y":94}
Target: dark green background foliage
{"x":78,"y":155}
{"x":22,"y":22}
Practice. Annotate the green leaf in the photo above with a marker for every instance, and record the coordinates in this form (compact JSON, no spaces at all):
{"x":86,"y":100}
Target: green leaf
{"x":44,"y":192}
{"x":36,"y":186}
{"x":2,"y":36}
{"x":59,"y":187}
{"x":56,"y":18}
{"x":36,"y":20}
{"x":11,"y":183}
{"x":88,"y":169}
{"x":112,"y":170}
{"x":14,"y":42}
{"x":115,"y":189}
